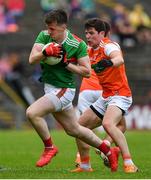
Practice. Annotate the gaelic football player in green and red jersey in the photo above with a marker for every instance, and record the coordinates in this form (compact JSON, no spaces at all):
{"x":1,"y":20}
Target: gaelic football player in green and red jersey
{"x":59,"y":86}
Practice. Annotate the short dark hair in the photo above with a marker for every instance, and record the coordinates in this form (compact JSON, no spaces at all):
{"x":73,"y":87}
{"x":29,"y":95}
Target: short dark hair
{"x":59,"y":16}
{"x":98,"y":24}
{"x":107,"y":28}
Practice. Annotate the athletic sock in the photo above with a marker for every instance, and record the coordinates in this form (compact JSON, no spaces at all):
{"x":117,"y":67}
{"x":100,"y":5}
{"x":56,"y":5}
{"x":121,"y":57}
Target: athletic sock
{"x":85,"y":162}
{"x":127,"y":160}
{"x":47,"y":143}
{"x":105,"y":148}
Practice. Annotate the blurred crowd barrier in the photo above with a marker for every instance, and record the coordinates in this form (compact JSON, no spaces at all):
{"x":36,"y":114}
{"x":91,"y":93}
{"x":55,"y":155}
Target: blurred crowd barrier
{"x":139,"y":117}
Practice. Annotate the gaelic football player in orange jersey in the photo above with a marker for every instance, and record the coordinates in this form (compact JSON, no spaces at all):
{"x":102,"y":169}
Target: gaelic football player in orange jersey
{"x":90,"y":91}
{"x":116,"y":98}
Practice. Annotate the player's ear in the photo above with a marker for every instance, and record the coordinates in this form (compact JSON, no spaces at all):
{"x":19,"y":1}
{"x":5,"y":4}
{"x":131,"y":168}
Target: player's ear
{"x":102,"y":33}
{"x":64,"y":26}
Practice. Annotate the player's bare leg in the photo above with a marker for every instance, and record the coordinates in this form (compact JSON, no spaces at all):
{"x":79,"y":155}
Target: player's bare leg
{"x":111,"y":118}
{"x":86,"y":120}
{"x":122,"y":126}
{"x":35,"y":115}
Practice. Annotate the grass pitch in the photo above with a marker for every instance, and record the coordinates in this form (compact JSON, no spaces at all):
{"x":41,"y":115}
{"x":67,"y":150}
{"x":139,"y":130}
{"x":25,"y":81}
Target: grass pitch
{"x":19,"y":150}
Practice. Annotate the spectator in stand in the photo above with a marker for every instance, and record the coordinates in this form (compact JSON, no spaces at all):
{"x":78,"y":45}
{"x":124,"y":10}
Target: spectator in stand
{"x":2,"y":17}
{"x":122,"y":26}
{"x":138,"y":17}
{"x":75,"y":9}
{"x":11,"y":84}
{"x":11,"y":25}
{"x":48,"y":5}
{"x":10,"y":71}
{"x":7,"y":20}
{"x":142,"y":23}
{"x":144,"y":35}
{"x":16,"y":9}
{"x":64,"y":4}
{"x":88,"y":8}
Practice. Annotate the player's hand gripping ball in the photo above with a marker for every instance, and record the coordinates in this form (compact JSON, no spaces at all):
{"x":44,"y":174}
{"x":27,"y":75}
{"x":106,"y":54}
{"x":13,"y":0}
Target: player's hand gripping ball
{"x":53,"y":53}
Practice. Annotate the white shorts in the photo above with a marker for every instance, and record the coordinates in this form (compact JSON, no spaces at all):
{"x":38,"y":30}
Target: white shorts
{"x":86,"y":98}
{"x":100,"y":106}
{"x":60,"y":97}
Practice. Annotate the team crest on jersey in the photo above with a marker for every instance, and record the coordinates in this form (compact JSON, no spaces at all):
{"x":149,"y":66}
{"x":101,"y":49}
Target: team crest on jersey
{"x":93,"y":59}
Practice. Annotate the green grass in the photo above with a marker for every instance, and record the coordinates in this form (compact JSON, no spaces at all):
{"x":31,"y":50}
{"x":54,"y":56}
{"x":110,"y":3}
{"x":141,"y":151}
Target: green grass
{"x":19,"y":150}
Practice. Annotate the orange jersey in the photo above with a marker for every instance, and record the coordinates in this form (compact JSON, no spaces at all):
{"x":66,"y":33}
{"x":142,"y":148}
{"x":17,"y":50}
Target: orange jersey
{"x":91,"y":83}
{"x":113,"y":79}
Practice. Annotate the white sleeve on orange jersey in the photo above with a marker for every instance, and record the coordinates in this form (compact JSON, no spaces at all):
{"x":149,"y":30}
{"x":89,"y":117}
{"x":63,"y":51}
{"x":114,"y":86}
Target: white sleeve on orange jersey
{"x":111,"y":47}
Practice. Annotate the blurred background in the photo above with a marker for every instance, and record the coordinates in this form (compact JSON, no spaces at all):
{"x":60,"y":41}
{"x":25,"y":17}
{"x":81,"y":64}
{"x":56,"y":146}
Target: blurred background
{"x":22,"y":20}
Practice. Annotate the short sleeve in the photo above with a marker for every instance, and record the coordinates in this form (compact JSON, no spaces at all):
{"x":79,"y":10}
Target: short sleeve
{"x":82,"y":50}
{"x":43,"y":38}
{"x":40,"y":38}
{"x":111,"y":47}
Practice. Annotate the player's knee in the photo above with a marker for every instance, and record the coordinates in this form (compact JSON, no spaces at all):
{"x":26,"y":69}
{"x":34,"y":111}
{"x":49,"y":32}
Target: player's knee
{"x":123,"y":128}
{"x":72,"y":132}
{"x":107,"y":125}
{"x":29,"y":114}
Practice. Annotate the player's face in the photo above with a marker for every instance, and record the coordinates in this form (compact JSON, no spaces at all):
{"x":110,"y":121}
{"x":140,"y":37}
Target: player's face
{"x":93,"y":37}
{"x":56,"y":31}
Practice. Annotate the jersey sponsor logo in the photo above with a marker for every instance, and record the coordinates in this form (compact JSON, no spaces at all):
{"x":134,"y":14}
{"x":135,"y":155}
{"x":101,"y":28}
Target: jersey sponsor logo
{"x":93,"y":59}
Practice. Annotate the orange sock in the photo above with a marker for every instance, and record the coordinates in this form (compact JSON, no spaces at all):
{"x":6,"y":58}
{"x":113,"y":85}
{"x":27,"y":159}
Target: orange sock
{"x":85,"y":159}
{"x":127,"y":159}
{"x":85,"y":162}
{"x":125,"y":156}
